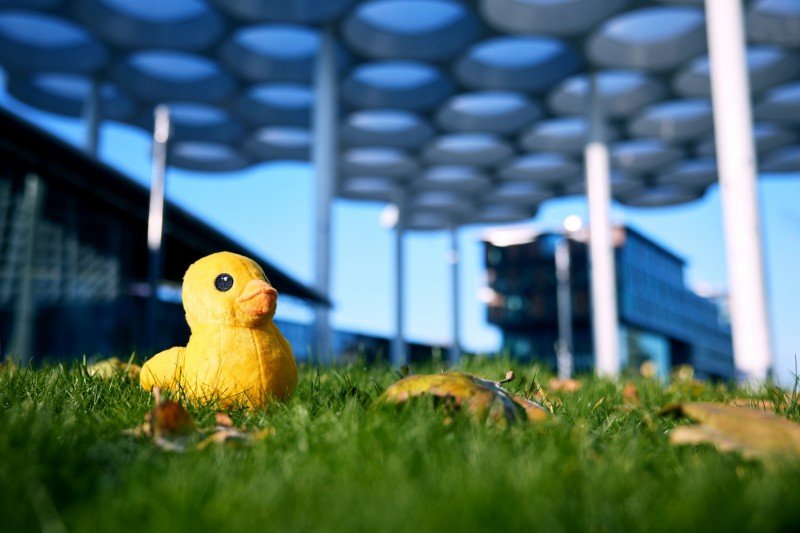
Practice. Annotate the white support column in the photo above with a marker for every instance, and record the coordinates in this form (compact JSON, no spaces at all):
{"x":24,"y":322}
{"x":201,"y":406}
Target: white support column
{"x":398,"y":356}
{"x":736,"y":161}
{"x":155,"y":219}
{"x":325,"y":165}
{"x":454,"y":257}
{"x":601,"y":243}
{"x":92,"y":116}
{"x":564,"y":299}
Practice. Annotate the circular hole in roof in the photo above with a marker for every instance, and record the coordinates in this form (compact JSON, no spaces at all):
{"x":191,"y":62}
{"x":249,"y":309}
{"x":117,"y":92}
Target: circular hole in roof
{"x":517,"y":52}
{"x":678,"y":110}
{"x":488,"y":103}
{"x":562,"y":127}
{"x":779,"y":7}
{"x":377,"y":157}
{"x":396,"y":75}
{"x":369,"y":185}
{"x":69,"y":85}
{"x":42,"y":30}
{"x":410,"y":16}
{"x":384,"y":120}
{"x":194,"y":114}
{"x":785,"y":94}
{"x":288,"y":95}
{"x":159,"y":10}
{"x":204,"y":152}
{"x":452,"y":173}
{"x":466,"y":142}
{"x":284,"y":136}
{"x":654,"y":24}
{"x":610,"y":82}
{"x":175,"y":66}
{"x":286,"y":41}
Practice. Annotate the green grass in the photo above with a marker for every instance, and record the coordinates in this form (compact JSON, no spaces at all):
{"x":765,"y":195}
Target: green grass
{"x":336,"y":462}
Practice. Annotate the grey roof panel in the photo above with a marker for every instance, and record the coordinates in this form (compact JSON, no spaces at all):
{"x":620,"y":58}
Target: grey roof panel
{"x":279,"y":143}
{"x":478,"y":149}
{"x":774,"y":21}
{"x":369,"y":161}
{"x":502,"y":112}
{"x":430,"y":30}
{"x":518,"y":63}
{"x":66,"y":94}
{"x":207,"y":156}
{"x":557,"y":17}
{"x":544,"y":168}
{"x":674,"y":121}
{"x":386,"y":127}
{"x":657,"y":38}
{"x":33,"y":41}
{"x":181,"y":25}
{"x":781,"y":104}
{"x":299,"y":11}
{"x":410,"y":85}
{"x":622,"y":93}
{"x":158,"y":76}
{"x":659,"y":196}
{"x":641,"y":156}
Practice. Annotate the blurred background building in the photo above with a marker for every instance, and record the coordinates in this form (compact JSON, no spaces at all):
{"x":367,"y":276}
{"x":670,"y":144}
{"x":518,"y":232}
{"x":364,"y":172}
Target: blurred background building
{"x":661,"y":319}
{"x":73,"y":270}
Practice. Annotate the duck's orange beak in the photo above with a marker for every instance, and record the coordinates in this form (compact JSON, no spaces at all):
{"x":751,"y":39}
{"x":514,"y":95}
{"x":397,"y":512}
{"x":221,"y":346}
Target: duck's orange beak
{"x":258,"y":298}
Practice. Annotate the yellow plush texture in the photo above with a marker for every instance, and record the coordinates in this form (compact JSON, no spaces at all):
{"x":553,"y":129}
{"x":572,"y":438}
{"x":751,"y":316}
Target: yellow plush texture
{"x":235,"y":354}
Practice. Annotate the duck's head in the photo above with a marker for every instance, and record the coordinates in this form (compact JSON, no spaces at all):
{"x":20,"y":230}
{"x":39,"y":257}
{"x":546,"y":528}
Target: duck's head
{"x":229,"y":289}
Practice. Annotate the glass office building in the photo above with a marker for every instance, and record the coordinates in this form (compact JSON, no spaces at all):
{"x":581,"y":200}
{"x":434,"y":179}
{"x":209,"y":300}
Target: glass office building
{"x":661,"y":320}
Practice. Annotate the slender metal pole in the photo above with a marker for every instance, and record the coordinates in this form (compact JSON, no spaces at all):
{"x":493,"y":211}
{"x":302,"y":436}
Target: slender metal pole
{"x":25,"y":305}
{"x":92,"y":116}
{"x":601,"y":245}
{"x":455,"y":347}
{"x":325,"y":165}
{"x":564,"y":299}
{"x":155,"y":219}
{"x":398,"y":356}
{"x":736,"y":161}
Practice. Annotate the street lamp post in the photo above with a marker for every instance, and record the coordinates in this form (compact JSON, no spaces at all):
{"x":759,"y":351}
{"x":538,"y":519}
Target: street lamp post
{"x":155,"y":219}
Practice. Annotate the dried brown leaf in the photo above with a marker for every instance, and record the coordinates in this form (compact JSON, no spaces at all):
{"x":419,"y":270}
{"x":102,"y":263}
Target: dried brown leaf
{"x":223,"y":420}
{"x":563,"y":385}
{"x":170,"y":419}
{"x":113,"y":366}
{"x":630,"y":394}
{"x":753,"y":432}
{"x":480,"y":397}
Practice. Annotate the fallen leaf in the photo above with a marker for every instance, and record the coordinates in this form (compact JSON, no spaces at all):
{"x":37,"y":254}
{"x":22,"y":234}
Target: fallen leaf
{"x":648,"y":369}
{"x":630,"y":394}
{"x":108,"y":368}
{"x":172,"y":428}
{"x":563,"y":385}
{"x":753,"y":432}
{"x":8,"y":365}
{"x":480,"y":397}
{"x":222,"y":419}
{"x":767,"y":405}
{"x":682,"y":373}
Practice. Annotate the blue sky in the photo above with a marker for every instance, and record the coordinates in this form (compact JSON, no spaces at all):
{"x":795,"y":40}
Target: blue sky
{"x":270,"y":209}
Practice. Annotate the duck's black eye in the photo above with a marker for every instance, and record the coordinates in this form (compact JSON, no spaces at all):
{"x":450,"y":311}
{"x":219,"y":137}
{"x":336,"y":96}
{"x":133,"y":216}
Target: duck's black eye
{"x":224,"y":282}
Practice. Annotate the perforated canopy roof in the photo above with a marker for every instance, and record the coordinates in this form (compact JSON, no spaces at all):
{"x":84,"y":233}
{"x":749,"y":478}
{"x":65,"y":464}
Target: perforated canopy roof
{"x":474,"y":109}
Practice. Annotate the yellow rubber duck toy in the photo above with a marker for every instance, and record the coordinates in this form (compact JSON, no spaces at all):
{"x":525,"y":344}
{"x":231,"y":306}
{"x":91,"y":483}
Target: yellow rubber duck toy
{"x":235,"y":354}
